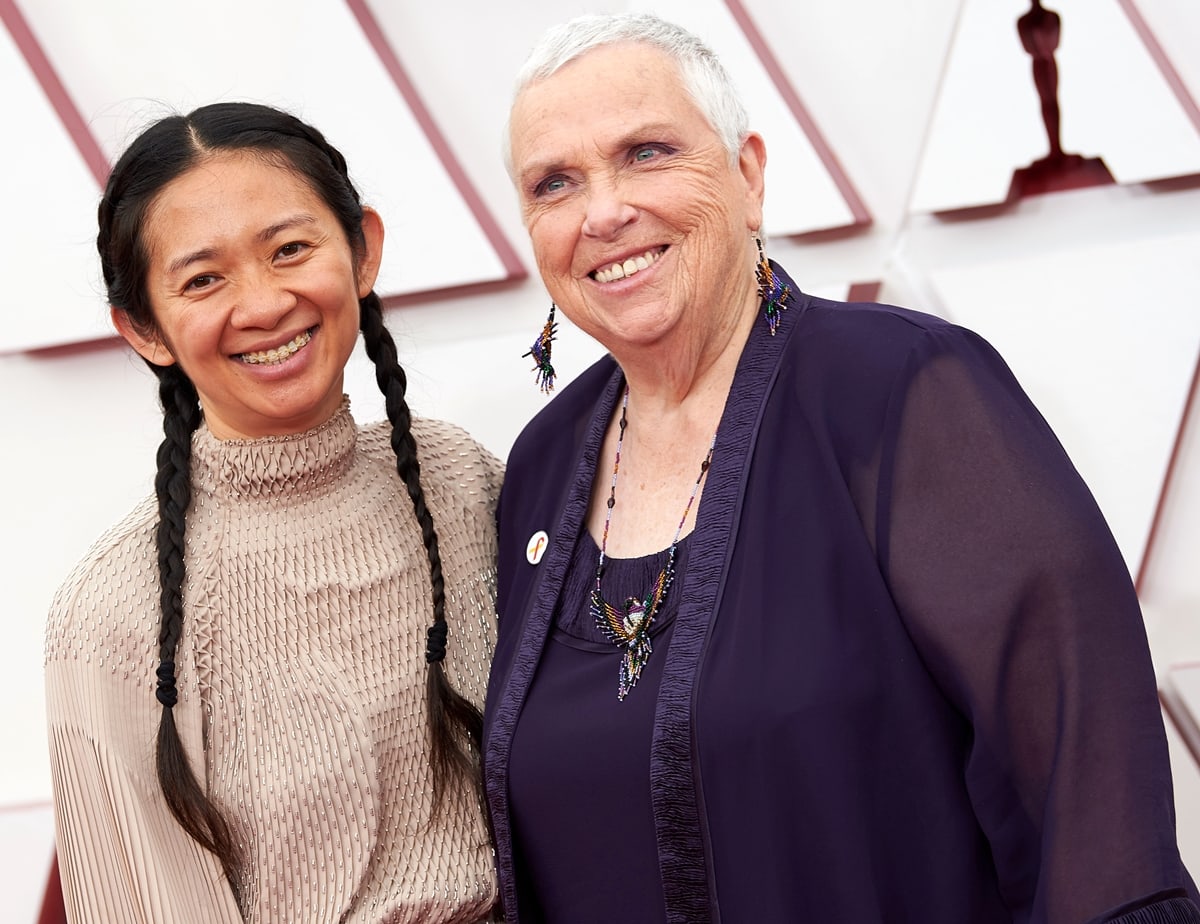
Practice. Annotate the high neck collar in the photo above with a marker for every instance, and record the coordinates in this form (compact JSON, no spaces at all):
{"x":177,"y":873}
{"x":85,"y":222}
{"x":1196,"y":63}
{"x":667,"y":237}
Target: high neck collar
{"x":275,"y":466}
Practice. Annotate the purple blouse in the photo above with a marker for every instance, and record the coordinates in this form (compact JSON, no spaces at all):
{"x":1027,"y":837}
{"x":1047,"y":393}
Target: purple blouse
{"x":591,"y":774}
{"x":907,"y":679}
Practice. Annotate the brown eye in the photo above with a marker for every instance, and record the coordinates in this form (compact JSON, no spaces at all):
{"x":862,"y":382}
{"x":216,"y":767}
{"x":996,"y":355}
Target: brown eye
{"x":203,"y":281}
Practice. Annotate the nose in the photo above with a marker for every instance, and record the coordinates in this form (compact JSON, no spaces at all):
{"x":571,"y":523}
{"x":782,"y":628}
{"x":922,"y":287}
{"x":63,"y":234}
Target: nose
{"x":607,"y":212}
{"x":262,"y":301}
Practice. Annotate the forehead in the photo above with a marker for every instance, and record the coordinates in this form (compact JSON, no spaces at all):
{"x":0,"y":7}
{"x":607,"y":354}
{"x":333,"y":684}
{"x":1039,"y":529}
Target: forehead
{"x":610,"y":88}
{"x":222,"y":193}
{"x":233,"y":175}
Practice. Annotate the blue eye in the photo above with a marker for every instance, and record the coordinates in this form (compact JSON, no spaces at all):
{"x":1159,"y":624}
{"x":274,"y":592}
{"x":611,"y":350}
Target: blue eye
{"x":549,"y":185}
{"x":644,"y":153}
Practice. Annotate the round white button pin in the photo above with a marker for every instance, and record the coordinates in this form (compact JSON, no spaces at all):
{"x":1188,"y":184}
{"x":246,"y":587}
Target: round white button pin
{"x":536,"y":547}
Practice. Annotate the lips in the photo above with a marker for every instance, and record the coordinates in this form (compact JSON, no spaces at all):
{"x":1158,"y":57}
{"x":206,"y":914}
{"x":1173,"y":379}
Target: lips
{"x":628,"y":267}
{"x":277,"y":354}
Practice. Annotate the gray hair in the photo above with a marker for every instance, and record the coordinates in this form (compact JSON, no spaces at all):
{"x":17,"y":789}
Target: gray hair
{"x":703,"y":75}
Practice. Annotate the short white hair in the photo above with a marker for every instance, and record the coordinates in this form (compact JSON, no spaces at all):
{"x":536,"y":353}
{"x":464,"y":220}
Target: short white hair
{"x":703,"y":75}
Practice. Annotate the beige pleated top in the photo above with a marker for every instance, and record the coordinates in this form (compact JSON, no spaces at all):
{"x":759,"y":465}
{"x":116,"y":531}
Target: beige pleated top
{"x":301,"y":676}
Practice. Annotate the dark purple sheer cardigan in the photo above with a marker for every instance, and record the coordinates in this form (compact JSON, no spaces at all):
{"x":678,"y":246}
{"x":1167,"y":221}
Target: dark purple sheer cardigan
{"x":908,"y":679}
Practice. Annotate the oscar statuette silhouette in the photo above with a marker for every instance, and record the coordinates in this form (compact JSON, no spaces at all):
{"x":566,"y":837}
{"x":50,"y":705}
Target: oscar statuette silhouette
{"x":1040,"y":30}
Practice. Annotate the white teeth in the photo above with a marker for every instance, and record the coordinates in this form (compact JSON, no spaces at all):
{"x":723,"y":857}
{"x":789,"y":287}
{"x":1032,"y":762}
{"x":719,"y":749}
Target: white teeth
{"x":278,"y":354}
{"x":628,"y":268}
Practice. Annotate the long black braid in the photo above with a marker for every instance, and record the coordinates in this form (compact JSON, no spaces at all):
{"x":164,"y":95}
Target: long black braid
{"x":173,"y":485}
{"x":451,"y":716}
{"x":162,"y":153}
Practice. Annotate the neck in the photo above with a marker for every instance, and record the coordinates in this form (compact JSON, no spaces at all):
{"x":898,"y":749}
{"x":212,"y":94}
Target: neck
{"x":690,"y":371}
{"x":673,"y":412}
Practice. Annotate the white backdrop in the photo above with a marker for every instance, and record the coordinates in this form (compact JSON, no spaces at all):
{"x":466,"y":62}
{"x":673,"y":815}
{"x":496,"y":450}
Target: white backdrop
{"x":1093,"y":295}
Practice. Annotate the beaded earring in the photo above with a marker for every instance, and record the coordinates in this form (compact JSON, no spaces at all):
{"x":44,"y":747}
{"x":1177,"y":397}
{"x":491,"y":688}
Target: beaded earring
{"x":771,"y":291}
{"x":540,"y":351}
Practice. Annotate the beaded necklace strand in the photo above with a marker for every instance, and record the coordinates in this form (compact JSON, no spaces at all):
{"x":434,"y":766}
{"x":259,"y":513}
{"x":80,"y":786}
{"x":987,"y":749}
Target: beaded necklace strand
{"x":628,"y":626}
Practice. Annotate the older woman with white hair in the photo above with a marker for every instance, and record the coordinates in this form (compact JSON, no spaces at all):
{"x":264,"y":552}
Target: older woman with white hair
{"x":804,"y":613}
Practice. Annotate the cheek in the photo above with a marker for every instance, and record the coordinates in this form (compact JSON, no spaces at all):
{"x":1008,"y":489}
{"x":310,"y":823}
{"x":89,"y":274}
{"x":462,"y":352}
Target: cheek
{"x":716,"y":230}
{"x":190,"y":326}
{"x":552,"y":242}
{"x":334,"y":286}
{"x":190,"y":338}
{"x":706,"y":203}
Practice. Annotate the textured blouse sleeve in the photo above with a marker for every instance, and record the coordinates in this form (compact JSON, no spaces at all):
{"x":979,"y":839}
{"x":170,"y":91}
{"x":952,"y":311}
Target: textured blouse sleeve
{"x":123,"y":857}
{"x":1017,"y":597}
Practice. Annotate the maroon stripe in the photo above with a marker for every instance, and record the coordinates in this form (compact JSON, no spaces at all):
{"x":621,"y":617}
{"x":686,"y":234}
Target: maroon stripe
{"x":54,"y":909}
{"x":864,"y":291}
{"x":1189,"y":406}
{"x":1181,"y":718}
{"x":1164,"y":63}
{"x":387,"y":56}
{"x":43,"y":71}
{"x":853,"y":201}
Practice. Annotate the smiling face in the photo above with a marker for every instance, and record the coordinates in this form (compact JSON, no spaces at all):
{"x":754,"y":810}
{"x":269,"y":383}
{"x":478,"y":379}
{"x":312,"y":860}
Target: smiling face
{"x":255,"y":292}
{"x":640,"y":223}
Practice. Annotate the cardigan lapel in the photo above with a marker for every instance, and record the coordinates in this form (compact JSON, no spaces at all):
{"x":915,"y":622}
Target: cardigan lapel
{"x":676,"y":787}
{"x":536,"y":630}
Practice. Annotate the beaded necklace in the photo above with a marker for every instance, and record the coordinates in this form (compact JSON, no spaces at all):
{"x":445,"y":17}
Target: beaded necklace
{"x":628,"y":626}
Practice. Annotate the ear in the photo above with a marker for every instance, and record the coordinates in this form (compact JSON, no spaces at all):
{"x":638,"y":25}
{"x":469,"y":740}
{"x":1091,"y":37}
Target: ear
{"x":372,"y":256}
{"x":752,"y":164}
{"x":152,"y":349}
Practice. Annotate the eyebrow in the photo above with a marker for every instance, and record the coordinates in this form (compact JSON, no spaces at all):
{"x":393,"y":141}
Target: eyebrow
{"x":300,"y":219}
{"x":535,"y":170}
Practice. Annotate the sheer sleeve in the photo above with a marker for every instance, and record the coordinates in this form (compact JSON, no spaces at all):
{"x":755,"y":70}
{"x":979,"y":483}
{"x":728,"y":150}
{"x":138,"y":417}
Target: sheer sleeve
{"x":1017,"y":597}
{"x":123,"y":857}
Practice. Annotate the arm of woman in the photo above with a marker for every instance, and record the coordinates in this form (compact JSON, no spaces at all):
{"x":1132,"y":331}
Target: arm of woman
{"x":122,"y":856}
{"x":1015,"y":593}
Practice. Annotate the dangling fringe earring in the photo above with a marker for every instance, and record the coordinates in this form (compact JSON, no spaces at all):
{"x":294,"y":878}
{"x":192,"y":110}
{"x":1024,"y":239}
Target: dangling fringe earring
{"x":540,"y":351}
{"x":770,"y":290}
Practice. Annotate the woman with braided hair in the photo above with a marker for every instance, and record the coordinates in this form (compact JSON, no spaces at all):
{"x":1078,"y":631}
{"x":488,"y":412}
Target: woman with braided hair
{"x":264,"y":684}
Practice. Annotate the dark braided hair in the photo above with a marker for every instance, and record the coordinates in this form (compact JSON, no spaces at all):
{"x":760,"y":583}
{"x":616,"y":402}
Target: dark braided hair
{"x":163,"y":152}
{"x":454,"y":713}
{"x":186,"y":798}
